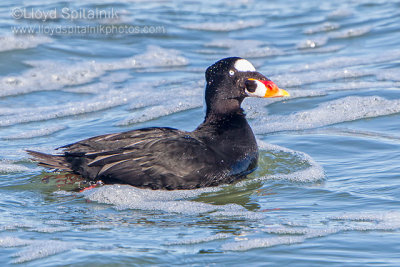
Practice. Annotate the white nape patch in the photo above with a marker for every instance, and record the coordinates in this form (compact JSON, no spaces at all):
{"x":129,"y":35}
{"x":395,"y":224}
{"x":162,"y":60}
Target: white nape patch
{"x":260,"y":91}
{"x":244,"y":65}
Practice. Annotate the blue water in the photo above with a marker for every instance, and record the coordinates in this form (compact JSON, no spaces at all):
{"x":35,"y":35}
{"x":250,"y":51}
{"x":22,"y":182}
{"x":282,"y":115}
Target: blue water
{"x":327,"y":188}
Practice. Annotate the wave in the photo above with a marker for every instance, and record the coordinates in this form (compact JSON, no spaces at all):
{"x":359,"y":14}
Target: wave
{"x":36,"y":133}
{"x":15,"y":42}
{"x":369,"y":221}
{"x":224,"y":26}
{"x":8,"y":166}
{"x":52,"y":75}
{"x":332,"y":112}
{"x":246,"y":48}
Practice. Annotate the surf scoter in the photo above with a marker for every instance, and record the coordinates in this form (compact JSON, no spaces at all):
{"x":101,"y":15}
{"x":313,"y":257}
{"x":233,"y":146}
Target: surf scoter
{"x":221,"y":150}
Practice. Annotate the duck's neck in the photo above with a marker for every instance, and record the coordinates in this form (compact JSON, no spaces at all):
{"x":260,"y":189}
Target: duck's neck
{"x":219,"y":123}
{"x":230,"y":134}
{"x":224,"y":108}
{"x":224,"y":118}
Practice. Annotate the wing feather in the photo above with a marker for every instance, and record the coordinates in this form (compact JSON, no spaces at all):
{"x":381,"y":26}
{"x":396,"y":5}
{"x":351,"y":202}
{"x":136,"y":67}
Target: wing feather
{"x":150,"y":157}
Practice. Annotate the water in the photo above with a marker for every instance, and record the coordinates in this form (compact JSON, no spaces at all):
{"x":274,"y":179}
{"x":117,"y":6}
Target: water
{"x":327,"y":188}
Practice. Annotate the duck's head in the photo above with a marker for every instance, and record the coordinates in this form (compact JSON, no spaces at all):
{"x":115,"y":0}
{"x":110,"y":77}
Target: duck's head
{"x":230,"y":80}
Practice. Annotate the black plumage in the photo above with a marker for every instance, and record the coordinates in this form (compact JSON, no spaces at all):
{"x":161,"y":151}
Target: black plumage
{"x":221,"y":150}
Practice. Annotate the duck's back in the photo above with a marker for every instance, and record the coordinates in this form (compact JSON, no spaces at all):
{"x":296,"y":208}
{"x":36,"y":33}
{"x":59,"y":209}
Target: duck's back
{"x":163,"y":158}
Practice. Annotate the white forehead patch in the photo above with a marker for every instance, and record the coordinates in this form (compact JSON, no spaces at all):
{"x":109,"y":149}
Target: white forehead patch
{"x":244,"y":65}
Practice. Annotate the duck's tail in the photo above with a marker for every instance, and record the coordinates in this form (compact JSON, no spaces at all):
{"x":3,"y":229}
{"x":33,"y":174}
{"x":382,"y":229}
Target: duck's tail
{"x":55,"y":162}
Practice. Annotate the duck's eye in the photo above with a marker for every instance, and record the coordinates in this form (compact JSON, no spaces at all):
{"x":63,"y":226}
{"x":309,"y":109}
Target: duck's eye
{"x":231,"y":72}
{"x":251,"y":86}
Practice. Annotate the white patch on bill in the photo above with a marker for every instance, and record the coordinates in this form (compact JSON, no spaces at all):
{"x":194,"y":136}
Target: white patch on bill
{"x":244,"y":65}
{"x":260,"y":91}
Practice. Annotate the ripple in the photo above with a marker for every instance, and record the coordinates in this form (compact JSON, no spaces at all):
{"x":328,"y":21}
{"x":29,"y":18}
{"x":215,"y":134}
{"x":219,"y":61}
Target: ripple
{"x":324,"y":27}
{"x":36,"y":133}
{"x":8,"y":166}
{"x":312,"y":43}
{"x":288,"y":235}
{"x":280,"y":163}
{"x":224,"y":26}
{"x":246,"y":48}
{"x":350,"y":33}
{"x":41,"y":249}
{"x":15,"y":42}
{"x":332,"y":112}
{"x":52,"y":75}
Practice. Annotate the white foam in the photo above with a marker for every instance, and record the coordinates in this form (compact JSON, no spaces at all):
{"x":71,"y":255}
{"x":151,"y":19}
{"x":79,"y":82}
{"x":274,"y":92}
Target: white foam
{"x":128,"y":197}
{"x":94,"y":88}
{"x":15,"y":42}
{"x":312,"y":172}
{"x":358,"y":221}
{"x":179,"y":201}
{"x":327,"y":49}
{"x":155,"y":56}
{"x":312,"y":43}
{"x":340,"y":62}
{"x":299,"y":79}
{"x":95,"y":226}
{"x":161,"y":104}
{"x":224,"y":26}
{"x":49,"y":75}
{"x":115,"y":77}
{"x":246,"y":48}
{"x":41,"y":249}
{"x":390,"y":74}
{"x":353,"y":132}
{"x":52,"y":75}
{"x":167,"y":108}
{"x":349,"y":33}
{"x":8,"y":166}
{"x":111,"y":98}
{"x":336,"y":111}
{"x":11,"y":241}
{"x":55,"y":222}
{"x":230,"y":43}
{"x":340,"y":13}
{"x":355,"y":85}
{"x":36,"y":133}
{"x":255,"y":107}
{"x":238,"y":213}
{"x":387,"y":216}
{"x":324,"y":27}
{"x":287,"y":231}
{"x":47,"y":229}
{"x":199,"y":240}
{"x":257,"y":52}
{"x":261,"y":243}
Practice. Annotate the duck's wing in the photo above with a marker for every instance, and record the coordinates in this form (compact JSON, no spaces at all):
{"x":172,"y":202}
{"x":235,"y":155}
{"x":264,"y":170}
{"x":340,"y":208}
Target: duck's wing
{"x":151,"y":157}
{"x":110,"y":143}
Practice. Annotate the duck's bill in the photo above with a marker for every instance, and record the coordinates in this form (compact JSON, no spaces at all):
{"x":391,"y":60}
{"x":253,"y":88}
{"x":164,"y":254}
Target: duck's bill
{"x":260,"y":88}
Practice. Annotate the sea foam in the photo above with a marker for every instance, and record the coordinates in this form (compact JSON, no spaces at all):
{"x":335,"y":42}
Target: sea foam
{"x":8,"y":166}
{"x":52,"y":75}
{"x":336,"y":111}
{"x":15,"y":42}
{"x":36,"y":132}
{"x":246,"y":48}
{"x":357,"y":221}
{"x":224,"y":26}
